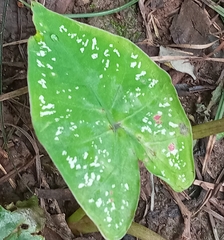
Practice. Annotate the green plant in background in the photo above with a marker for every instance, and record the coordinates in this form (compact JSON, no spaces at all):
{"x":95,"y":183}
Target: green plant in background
{"x":24,"y":223}
{"x":99,"y":105}
{"x":213,"y":5}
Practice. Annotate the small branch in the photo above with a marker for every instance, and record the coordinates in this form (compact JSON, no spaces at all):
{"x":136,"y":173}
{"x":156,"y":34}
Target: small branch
{"x":207,"y":186}
{"x":16,"y":93}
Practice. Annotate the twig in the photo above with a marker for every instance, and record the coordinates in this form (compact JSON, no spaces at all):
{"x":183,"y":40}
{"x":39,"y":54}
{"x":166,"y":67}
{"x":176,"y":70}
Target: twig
{"x":148,"y":30}
{"x":13,"y":94}
{"x":214,"y":230}
{"x":193,"y":46}
{"x":216,"y":203}
{"x":209,"y":148}
{"x":211,"y":192}
{"x":14,"y":64}
{"x":35,"y":147}
{"x":213,"y":213}
{"x":207,"y":185}
{"x":152,"y":192}
{"x":15,"y":43}
{"x":56,"y":194}
{"x":186,"y":214}
{"x":15,"y":171}
{"x":172,"y":58}
{"x":6,"y":2}
{"x":12,"y":183}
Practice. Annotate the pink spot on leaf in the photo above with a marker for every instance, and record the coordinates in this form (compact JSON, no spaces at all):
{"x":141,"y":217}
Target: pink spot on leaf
{"x":171,"y":147}
{"x":157,"y":119}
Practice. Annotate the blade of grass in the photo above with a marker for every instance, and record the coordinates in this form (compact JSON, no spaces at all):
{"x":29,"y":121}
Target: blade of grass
{"x":214,"y":6}
{"x":220,"y":113}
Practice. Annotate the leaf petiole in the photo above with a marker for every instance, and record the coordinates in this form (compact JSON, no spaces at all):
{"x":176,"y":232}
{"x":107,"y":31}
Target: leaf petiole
{"x":97,"y":14}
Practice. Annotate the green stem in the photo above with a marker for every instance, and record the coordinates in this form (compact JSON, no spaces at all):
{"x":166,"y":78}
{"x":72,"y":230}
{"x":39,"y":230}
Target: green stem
{"x":80,"y":223}
{"x":97,"y":14}
{"x":143,"y":233}
{"x":207,"y":129}
{"x":25,"y":3}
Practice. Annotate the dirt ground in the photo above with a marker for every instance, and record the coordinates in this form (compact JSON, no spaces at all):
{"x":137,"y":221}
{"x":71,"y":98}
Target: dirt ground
{"x":188,"y":24}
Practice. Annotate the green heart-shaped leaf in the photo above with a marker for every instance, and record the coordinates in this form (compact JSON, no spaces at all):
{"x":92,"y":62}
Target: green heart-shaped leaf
{"x":98,"y":105}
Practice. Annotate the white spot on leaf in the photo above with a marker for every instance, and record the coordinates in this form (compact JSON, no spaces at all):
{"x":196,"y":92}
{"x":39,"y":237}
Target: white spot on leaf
{"x":153,"y":83}
{"x":64,"y":153}
{"x":106,"y":53}
{"x":72,"y":35}
{"x":41,"y":53}
{"x":78,"y":166}
{"x":85,"y":155}
{"x":94,"y":55}
{"x":117,"y":52}
{"x":99,"y":202}
{"x":173,"y":125}
{"x":62,"y":29}
{"x":146,"y":129}
{"x":126,"y":186}
{"x":164,"y":105}
{"x":72,"y":161}
{"x":42,"y":82}
{"x":94,"y":42}
{"x":41,"y":98}
{"x":48,"y":106}
{"x":134,"y":56}
{"x":137,"y":76}
{"x":46,"y":113}
{"x":133,"y":64}
{"x":81,"y":185}
{"x":39,"y":63}
{"x":49,"y":66}
{"x":59,"y":131}
{"x":44,"y":46}
{"x":109,"y":219}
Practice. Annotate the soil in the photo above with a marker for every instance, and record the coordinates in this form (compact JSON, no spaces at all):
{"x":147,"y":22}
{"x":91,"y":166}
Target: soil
{"x":164,"y":22}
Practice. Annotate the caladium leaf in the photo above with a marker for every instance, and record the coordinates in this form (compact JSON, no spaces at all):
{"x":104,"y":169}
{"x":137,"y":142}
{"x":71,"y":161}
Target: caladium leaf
{"x":98,"y":106}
